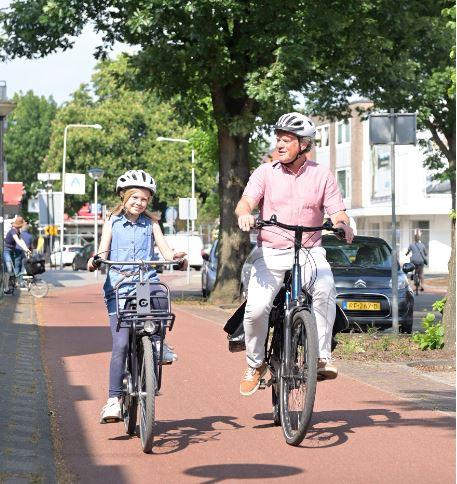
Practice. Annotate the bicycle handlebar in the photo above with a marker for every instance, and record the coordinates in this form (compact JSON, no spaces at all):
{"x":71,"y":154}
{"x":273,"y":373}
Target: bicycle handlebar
{"x":328,"y":225}
{"x":98,"y":261}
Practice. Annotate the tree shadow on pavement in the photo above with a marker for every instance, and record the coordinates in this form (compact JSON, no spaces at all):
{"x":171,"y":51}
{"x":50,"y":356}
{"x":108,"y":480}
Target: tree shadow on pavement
{"x":221,"y":472}
{"x":333,"y":428}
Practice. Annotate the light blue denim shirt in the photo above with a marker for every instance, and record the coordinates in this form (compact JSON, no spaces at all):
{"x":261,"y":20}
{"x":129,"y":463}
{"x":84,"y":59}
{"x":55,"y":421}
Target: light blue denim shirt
{"x":129,"y":241}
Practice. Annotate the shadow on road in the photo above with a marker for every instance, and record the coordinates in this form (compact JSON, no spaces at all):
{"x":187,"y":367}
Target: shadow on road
{"x":332,"y":428}
{"x":175,"y":435}
{"x":221,"y":472}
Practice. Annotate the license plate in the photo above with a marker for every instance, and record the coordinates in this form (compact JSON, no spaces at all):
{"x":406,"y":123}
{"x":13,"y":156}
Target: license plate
{"x":361,"y":306}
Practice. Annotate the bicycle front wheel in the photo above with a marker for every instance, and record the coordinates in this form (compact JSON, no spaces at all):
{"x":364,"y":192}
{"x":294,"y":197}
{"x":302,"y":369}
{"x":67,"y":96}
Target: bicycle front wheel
{"x":39,"y":288}
{"x":298,"y":381}
{"x":147,"y":394}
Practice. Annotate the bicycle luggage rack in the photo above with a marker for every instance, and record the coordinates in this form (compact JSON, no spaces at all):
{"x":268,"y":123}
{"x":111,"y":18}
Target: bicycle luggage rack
{"x":128,"y":310}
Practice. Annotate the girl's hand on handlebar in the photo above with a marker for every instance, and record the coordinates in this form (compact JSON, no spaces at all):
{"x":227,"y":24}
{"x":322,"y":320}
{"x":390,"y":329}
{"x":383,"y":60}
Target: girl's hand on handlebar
{"x":348,"y":232}
{"x":93,"y":264}
{"x":246,"y":222}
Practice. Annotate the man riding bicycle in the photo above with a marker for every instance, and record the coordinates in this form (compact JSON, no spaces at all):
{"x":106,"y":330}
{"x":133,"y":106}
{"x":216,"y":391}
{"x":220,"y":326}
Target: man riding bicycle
{"x":297,"y":191}
{"x":418,"y":257}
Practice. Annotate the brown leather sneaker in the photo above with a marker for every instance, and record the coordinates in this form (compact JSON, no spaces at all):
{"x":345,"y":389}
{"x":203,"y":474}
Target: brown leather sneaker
{"x":325,"y":370}
{"x":251,"y":379}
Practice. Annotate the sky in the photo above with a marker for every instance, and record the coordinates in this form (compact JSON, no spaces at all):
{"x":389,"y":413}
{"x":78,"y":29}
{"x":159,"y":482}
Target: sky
{"x":58,"y":74}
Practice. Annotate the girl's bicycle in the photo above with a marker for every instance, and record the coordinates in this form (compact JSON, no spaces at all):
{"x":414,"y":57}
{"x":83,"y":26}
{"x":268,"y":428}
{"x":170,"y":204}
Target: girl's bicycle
{"x":146,"y":313}
{"x":292,"y":344}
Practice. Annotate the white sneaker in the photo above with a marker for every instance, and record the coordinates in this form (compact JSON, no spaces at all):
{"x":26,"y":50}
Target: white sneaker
{"x":111,"y":412}
{"x":168,"y":356}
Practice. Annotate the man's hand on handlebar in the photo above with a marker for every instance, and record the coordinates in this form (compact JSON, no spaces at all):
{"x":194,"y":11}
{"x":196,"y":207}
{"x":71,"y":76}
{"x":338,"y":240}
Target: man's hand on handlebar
{"x":182,"y":265}
{"x":348,"y":232}
{"x":246,"y":222}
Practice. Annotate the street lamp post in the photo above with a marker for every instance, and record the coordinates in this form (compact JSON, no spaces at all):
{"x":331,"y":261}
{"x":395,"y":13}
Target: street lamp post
{"x":5,"y":108}
{"x":95,"y":126}
{"x":96,"y":174}
{"x":180,"y":140}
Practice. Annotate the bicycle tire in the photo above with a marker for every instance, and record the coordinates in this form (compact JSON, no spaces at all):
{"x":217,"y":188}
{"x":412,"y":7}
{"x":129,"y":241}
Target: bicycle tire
{"x":12,"y":284}
{"x":301,"y":378}
{"x":147,"y":386}
{"x":129,"y":405}
{"x":39,"y":288}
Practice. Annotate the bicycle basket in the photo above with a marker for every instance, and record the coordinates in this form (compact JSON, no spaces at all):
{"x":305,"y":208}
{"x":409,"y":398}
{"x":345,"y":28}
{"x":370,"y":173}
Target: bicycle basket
{"x":34,"y":267}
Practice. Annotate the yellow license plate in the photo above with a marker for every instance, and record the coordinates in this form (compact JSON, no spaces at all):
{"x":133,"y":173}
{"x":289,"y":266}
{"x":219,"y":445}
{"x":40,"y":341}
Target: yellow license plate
{"x":361,"y":306}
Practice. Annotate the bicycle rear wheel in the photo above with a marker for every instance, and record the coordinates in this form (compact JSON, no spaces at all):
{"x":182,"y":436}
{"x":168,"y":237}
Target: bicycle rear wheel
{"x":39,"y":288}
{"x":298,"y":384}
{"x":147,"y":393}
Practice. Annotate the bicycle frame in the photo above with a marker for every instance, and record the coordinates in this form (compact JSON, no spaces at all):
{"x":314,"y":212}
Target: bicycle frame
{"x":296,"y":297}
{"x":135,"y":312}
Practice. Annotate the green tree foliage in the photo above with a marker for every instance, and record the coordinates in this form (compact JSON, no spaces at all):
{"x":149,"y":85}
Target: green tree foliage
{"x":131,"y":121}
{"x":243,"y":56}
{"x":27,"y":137}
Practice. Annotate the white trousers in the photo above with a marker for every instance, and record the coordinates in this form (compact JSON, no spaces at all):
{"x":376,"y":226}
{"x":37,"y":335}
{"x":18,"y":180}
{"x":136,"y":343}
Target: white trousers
{"x":267,"y":275}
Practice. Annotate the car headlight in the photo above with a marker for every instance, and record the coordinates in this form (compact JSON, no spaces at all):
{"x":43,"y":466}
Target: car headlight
{"x":402,"y":282}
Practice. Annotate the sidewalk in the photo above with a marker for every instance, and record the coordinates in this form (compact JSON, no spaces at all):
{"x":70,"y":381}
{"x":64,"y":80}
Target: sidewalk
{"x":26,"y":453}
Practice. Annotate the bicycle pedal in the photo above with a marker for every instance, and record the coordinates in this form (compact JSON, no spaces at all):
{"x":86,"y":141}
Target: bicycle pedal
{"x":262,"y":384}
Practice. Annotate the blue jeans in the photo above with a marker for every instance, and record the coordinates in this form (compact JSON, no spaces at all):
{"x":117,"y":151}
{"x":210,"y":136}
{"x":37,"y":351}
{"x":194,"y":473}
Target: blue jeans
{"x":121,"y":345}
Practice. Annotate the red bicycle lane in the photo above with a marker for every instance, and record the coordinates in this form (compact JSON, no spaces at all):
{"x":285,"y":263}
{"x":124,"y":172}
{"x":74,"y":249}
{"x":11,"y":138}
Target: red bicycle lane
{"x":207,"y":432}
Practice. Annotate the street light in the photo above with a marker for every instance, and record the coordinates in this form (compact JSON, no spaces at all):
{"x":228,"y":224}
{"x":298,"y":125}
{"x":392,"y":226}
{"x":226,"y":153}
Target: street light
{"x":180,"y":140}
{"x":5,"y":108}
{"x":96,"y":174}
{"x":95,"y":126}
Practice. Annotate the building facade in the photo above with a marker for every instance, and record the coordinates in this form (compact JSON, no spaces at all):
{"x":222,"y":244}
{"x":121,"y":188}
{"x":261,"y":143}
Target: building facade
{"x":363,"y":174}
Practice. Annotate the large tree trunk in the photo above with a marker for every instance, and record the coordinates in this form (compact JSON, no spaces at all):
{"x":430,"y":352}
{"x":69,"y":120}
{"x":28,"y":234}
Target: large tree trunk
{"x":233,"y":176}
{"x":449,"y":308}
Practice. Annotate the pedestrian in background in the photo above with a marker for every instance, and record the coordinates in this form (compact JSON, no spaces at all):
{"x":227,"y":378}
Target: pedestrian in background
{"x":418,"y":257}
{"x":12,"y":238}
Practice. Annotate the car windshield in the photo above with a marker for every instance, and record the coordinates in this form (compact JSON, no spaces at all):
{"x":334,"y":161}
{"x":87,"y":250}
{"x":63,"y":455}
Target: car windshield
{"x":362,"y":252}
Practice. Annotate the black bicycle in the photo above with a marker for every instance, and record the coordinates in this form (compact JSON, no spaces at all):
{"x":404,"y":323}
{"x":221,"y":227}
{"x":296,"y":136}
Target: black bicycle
{"x":416,"y":280}
{"x":147,"y":314}
{"x":292,"y":344}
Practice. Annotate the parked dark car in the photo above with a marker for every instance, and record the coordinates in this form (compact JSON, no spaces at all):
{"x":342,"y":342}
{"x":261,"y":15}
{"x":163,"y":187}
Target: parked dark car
{"x":82,"y":256}
{"x":362,"y":273}
{"x":209,"y":268}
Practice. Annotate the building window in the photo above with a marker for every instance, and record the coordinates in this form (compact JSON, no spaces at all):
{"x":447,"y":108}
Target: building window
{"x":343,"y":180}
{"x":343,"y":132}
{"x":322,"y":135}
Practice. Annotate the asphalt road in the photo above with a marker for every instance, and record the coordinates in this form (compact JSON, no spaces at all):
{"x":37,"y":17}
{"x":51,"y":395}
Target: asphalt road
{"x":69,"y":278}
{"x":206,"y":432}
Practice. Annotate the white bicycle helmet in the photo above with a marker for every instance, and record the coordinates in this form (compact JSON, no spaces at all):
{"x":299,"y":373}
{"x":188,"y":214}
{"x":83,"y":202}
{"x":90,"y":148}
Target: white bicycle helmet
{"x":296,"y":123}
{"x":136,"y":178}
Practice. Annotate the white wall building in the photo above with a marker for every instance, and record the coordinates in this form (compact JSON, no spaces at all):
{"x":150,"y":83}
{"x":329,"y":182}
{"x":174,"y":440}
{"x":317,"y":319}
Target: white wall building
{"x":363,"y":174}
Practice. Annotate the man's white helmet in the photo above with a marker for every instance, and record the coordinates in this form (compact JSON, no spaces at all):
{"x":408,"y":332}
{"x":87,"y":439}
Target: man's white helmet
{"x":136,"y":178}
{"x":296,"y":123}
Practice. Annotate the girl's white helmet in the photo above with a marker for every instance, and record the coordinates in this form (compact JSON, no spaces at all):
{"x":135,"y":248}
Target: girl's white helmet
{"x":136,"y":178}
{"x":296,"y":123}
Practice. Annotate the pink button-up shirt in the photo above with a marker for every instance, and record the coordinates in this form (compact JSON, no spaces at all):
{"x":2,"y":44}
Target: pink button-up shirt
{"x":296,"y":199}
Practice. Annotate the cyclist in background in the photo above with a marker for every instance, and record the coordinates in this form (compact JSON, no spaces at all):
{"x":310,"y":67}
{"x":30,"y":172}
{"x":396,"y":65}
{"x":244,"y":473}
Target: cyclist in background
{"x":13,"y":237}
{"x":21,"y":255}
{"x":418,"y":257}
{"x":297,"y":191}
{"x":129,"y":234}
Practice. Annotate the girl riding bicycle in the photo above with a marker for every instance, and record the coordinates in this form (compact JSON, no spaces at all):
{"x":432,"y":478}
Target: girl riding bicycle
{"x":129,"y":234}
